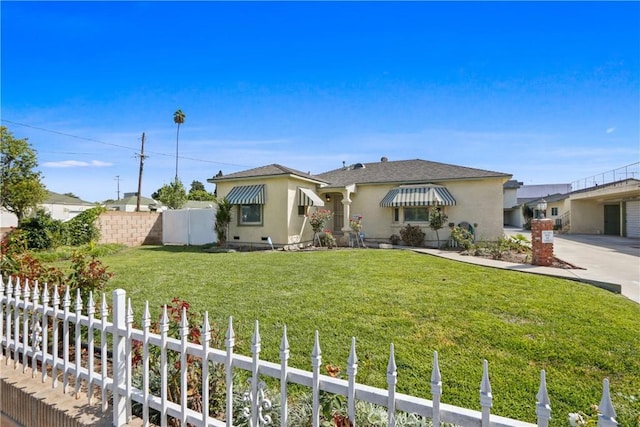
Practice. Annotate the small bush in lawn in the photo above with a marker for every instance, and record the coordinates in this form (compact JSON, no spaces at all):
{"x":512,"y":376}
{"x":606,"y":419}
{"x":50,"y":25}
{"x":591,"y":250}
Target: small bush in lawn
{"x":88,"y":274}
{"x":412,"y":235}
{"x":464,"y":238}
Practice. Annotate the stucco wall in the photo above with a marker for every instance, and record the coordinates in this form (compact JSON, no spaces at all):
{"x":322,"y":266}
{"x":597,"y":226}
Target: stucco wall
{"x":587,"y":216}
{"x":130,"y":228}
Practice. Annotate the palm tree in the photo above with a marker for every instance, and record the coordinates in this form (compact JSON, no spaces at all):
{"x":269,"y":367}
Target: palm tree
{"x":178,"y":118}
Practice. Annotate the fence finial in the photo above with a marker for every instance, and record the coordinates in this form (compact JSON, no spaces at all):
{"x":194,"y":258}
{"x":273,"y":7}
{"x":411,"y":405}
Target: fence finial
{"x":607,"y":416}
{"x":543,"y":405}
{"x":436,"y":378}
{"x":486,"y":398}
{"x":316,"y":348}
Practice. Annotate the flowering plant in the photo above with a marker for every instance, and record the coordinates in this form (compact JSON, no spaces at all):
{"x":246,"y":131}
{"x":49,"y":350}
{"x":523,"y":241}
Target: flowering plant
{"x":318,"y":218}
{"x":356,"y":223}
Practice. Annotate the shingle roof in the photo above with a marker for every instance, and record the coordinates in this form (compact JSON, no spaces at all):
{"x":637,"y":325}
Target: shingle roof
{"x":63,"y":199}
{"x":263,"y":171}
{"x":403,"y":171}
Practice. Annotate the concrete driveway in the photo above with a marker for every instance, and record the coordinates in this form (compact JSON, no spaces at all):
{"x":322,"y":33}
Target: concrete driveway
{"x":607,"y":259}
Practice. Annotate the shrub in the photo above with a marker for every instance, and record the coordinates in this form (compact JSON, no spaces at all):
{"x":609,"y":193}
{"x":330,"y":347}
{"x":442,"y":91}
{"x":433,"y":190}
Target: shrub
{"x":42,"y":232}
{"x":328,"y":240}
{"x":412,"y":235}
{"x":394,"y":239}
{"x":88,"y":275}
{"x":82,"y":229}
{"x":464,"y":238}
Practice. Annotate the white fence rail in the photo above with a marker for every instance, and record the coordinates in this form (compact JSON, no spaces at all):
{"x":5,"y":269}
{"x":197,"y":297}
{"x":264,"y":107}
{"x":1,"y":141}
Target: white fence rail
{"x":35,"y":328}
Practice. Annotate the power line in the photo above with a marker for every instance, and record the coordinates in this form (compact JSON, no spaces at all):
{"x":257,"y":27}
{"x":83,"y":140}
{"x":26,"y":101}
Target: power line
{"x":118,"y":145}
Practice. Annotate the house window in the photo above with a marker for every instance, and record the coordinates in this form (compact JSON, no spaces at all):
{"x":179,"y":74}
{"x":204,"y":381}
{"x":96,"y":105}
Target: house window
{"x":396,"y":214}
{"x":413,"y":214}
{"x":554,"y":211}
{"x":250,"y":214}
{"x":301,"y":210}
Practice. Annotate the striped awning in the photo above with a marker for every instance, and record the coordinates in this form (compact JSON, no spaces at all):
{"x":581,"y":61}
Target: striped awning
{"x":247,"y":195}
{"x":307,"y":197}
{"x":418,"y":195}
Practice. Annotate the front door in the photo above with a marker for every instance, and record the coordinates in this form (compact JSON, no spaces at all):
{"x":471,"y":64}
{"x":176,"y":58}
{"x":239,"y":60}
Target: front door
{"x":338,"y":214}
{"x":612,"y":220}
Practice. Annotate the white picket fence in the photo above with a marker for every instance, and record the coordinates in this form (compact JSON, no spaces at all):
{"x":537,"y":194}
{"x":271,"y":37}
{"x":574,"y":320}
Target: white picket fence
{"x":29,"y":317}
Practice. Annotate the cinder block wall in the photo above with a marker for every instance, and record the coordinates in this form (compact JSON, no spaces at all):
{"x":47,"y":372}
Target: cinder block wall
{"x":130,"y":228}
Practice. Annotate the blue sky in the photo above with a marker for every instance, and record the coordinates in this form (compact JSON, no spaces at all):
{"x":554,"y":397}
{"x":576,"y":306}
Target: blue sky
{"x":546,"y":91}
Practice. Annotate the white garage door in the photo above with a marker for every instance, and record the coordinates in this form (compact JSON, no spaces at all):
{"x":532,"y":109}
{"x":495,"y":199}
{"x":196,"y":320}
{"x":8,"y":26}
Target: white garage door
{"x":633,"y":219}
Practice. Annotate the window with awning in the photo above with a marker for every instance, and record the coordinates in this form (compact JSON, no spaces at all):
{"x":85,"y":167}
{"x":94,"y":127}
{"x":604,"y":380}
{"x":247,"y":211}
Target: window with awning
{"x":247,"y":195}
{"x":307,"y":197}
{"x":418,"y":195}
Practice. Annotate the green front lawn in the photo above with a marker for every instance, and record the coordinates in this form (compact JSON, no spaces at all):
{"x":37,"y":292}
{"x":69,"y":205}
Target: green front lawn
{"x":520,"y":323}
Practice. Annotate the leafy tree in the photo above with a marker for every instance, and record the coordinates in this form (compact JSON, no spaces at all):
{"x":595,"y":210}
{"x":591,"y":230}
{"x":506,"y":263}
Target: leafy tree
{"x":223,"y":218}
{"x":198,"y":192}
{"x":437,"y":219}
{"x":196,"y":186}
{"x":21,"y":189}
{"x":173,"y":195}
{"x":71,"y":195}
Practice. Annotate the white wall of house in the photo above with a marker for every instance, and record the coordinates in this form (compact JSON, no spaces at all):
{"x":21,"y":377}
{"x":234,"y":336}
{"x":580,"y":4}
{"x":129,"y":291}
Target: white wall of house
{"x":64,"y":212}
{"x":587,"y":217}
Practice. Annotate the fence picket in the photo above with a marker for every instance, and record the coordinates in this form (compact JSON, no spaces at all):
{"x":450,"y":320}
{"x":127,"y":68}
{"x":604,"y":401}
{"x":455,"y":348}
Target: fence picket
{"x":104,"y":313}
{"x":7,"y":314}
{"x":91,"y":311}
{"x":146,"y":323}
{"x":128,"y":364}
{"x":392,"y":379}
{"x":78,"y":343}
{"x":254,"y":399}
{"x":164,"y":329}
{"x":436,"y":390}
{"x":36,"y":330}
{"x":607,"y":416}
{"x":486,"y":398}
{"x":543,"y":405}
{"x":66,"y":305}
{"x":316,"y":360}
{"x":16,"y":324}
{"x":119,"y":359}
{"x":55,"y":345}
{"x":284,"y":370}
{"x":206,"y":338}
{"x":352,"y":371}
{"x":25,"y":325}
{"x":229,"y":344}
{"x":184,"y":333}
{"x":45,"y":328}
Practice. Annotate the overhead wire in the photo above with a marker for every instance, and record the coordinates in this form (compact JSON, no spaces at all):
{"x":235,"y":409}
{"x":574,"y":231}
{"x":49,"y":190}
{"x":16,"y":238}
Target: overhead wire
{"x":117,"y":145}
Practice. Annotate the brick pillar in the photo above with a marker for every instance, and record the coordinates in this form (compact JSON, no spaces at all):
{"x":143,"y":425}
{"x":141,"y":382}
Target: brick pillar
{"x":542,"y":241}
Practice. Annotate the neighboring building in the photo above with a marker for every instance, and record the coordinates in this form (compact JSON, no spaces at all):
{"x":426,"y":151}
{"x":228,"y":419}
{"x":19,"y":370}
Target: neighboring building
{"x":612,"y":208}
{"x":64,"y":207}
{"x":557,"y":206}
{"x":129,"y":203}
{"x":272,"y":200}
{"x":512,"y":210}
{"x":59,"y":206}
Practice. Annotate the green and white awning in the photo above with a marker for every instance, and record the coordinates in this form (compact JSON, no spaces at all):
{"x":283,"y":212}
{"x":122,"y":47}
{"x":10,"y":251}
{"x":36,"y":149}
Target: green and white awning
{"x":247,"y":195}
{"x":307,"y":197}
{"x":418,"y":195}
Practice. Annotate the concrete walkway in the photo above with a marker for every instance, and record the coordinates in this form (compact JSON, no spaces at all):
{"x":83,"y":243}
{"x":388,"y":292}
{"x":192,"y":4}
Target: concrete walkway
{"x":609,"y":262}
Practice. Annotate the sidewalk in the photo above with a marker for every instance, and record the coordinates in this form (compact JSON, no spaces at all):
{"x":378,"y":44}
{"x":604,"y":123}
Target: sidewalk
{"x":609,"y":262}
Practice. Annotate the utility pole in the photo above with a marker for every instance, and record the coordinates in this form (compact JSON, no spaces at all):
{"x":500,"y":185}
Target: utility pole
{"x":142,"y":157}
{"x":118,"y":186}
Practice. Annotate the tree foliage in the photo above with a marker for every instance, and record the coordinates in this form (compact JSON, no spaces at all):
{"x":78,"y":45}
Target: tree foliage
{"x":198,"y":192}
{"x":437,"y":219}
{"x":173,"y":195}
{"x":21,"y":189}
{"x":223,"y":218}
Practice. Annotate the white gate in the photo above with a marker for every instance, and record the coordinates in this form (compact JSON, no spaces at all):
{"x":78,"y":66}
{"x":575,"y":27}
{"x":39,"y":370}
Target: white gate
{"x":188,"y":226}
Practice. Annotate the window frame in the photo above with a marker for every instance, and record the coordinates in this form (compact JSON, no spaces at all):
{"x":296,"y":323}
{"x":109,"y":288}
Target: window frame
{"x":427,"y":209}
{"x":241,"y":222}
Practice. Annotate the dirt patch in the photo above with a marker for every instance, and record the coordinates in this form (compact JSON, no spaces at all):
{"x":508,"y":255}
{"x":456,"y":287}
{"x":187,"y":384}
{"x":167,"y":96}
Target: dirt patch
{"x":520,"y":258}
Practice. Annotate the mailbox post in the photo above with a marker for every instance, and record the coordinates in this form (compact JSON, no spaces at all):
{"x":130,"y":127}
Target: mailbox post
{"x":542,"y":241}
